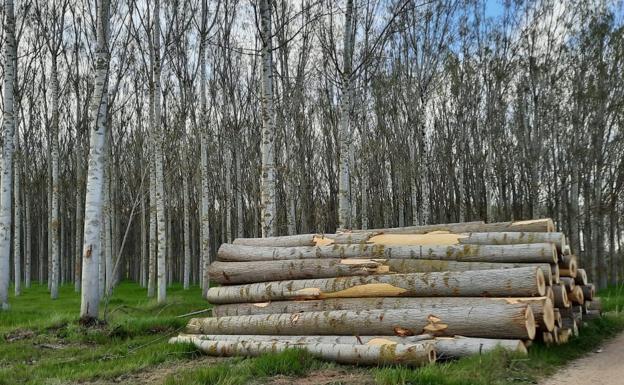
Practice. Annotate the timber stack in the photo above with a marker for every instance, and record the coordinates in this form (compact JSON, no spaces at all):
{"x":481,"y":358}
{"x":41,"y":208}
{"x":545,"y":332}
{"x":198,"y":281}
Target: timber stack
{"x":406,"y":295}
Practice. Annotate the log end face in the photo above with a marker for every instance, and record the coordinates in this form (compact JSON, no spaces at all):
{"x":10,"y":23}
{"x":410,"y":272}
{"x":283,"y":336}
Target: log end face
{"x":548,"y":317}
{"x":529,"y":323}
{"x":541,"y":282}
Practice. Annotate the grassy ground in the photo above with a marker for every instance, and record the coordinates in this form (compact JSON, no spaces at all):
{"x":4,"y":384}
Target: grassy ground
{"x":42,"y":343}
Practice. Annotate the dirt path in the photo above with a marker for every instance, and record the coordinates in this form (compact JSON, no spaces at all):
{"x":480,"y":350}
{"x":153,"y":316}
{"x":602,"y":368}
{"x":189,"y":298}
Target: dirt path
{"x":603,"y":368}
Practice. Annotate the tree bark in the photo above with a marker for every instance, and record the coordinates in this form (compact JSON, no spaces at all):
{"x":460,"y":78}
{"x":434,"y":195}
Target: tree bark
{"x":528,"y":253}
{"x":589,"y":291}
{"x":568,"y":266}
{"x":8,"y":129}
{"x":411,"y":355}
{"x":542,"y":307}
{"x":54,"y":209}
{"x":90,"y":298}
{"x":581,"y":277}
{"x":493,"y":321}
{"x":533,"y":225}
{"x":283,"y":241}
{"x":561,"y":296}
{"x":17,"y":224}
{"x":263,"y":271}
{"x":520,"y":282}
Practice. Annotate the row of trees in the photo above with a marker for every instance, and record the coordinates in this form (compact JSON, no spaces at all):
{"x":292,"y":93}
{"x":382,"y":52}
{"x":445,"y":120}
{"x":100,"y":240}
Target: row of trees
{"x":139,"y":135}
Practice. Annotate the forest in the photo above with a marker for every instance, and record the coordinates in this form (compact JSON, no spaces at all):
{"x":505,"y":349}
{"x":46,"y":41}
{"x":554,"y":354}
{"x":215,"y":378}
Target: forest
{"x":139,"y":135}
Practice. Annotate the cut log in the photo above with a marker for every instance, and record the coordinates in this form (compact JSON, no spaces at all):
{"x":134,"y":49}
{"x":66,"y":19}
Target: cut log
{"x":520,"y":282}
{"x":568,"y":282}
{"x":594,"y":304}
{"x":563,"y":336}
{"x":547,"y":338}
{"x":568,"y":266}
{"x":570,"y":323}
{"x":521,"y":253}
{"x":510,"y":238}
{"x":388,"y":354}
{"x":347,"y":238}
{"x":576,"y":295}
{"x":550,"y":294}
{"x":542,"y":307}
{"x":533,"y":225}
{"x":561,"y":296}
{"x":262,"y":271}
{"x":492,"y":321}
{"x":283,"y":241}
{"x":446,"y":347}
{"x":558,"y":318}
{"x":581,"y":277}
{"x":428,"y":265}
{"x":554,"y":270}
{"x":588,"y":291}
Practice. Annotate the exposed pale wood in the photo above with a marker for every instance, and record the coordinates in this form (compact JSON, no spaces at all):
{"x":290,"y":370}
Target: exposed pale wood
{"x":581,"y":277}
{"x":446,"y":347}
{"x":542,"y":307}
{"x":533,"y":225}
{"x":550,"y":294}
{"x":262,"y":271}
{"x":554,"y":270}
{"x":519,"y":282}
{"x":412,"y":355}
{"x":492,"y":321}
{"x":283,"y":241}
{"x":529,"y":253}
{"x":568,"y":266}
{"x":558,"y":318}
{"x":463,"y":227}
{"x":588,"y":291}
{"x":563,"y":336}
{"x":561,"y":296}
{"x":347,"y":238}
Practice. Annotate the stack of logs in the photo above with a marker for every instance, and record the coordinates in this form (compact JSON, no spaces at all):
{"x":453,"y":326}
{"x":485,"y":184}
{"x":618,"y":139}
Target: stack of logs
{"x":399,"y":295}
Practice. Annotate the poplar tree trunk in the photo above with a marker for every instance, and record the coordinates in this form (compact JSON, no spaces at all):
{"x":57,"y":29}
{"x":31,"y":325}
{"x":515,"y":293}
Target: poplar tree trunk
{"x":54,"y":214}
{"x":493,"y":321}
{"x":161,"y":272}
{"x":410,"y":355}
{"x":344,"y":134}
{"x":17,"y":224}
{"x":8,"y":129}
{"x":520,"y":282}
{"x":267,"y":185}
{"x":28,"y":244}
{"x":187,"y":233}
{"x":89,"y":308}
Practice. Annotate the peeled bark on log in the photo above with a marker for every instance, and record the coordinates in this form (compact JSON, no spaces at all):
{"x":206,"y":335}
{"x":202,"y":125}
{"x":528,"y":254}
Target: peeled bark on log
{"x":561,"y":296}
{"x":263,"y":271}
{"x":576,"y":295}
{"x":349,"y":238}
{"x":541,"y":307}
{"x":510,"y":238}
{"x":581,"y":277}
{"x":412,"y":355}
{"x":588,"y":291}
{"x":284,"y":241}
{"x":568,"y":282}
{"x":430,"y":265}
{"x":568,"y":266}
{"x":533,"y":225}
{"x":521,"y":253}
{"x":520,"y":282}
{"x":492,"y":321}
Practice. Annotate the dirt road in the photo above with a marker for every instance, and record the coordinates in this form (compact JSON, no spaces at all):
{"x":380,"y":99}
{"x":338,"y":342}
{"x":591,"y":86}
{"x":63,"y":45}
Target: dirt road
{"x":604,"y":368}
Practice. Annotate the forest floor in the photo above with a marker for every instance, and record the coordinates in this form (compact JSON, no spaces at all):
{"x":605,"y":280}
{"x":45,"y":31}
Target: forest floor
{"x":41,"y":342}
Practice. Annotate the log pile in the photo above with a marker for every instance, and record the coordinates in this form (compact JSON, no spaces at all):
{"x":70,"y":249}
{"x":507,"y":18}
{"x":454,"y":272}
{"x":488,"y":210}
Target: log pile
{"x":406,"y":295}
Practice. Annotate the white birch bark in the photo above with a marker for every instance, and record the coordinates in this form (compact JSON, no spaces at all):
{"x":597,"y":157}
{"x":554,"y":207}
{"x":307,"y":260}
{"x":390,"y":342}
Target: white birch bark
{"x":158,"y":155}
{"x":54,"y":214}
{"x":89,"y":308}
{"x":7,"y":152}
{"x":344,"y":135}
{"x":268,"y":174}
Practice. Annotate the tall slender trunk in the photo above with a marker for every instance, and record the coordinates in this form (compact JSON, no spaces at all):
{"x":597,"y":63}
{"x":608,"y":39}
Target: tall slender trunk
{"x":144,"y":253}
{"x":151,"y":280}
{"x":54,"y":214}
{"x":89,"y":308}
{"x":240,"y":222}
{"x":158,"y":155}
{"x":205,"y":182}
{"x":344,"y":135}
{"x":108,"y":240}
{"x":7,"y":152}
{"x":187,"y":233}
{"x":267,"y":185}
{"x":28,"y":243}
{"x":229,"y":194}
{"x":17,"y":224}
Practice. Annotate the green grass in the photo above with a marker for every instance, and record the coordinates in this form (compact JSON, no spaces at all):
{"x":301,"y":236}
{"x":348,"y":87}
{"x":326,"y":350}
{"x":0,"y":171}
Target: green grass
{"x":42,"y":341}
